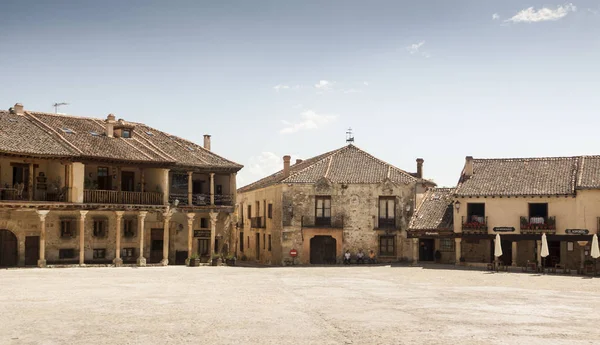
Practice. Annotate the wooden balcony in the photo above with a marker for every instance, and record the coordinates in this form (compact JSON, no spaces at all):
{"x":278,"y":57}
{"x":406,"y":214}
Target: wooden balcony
{"x":16,"y":194}
{"x":124,"y":198}
{"x":538,"y":225}
{"x":202,"y":199}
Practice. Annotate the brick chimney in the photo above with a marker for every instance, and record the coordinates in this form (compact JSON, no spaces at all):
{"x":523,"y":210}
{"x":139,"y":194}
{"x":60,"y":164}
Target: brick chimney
{"x":469,"y":166}
{"x":298,"y":161}
{"x":207,"y":141}
{"x":286,"y":165}
{"x":110,"y":125}
{"x":18,"y":109}
{"x":420,"y":167}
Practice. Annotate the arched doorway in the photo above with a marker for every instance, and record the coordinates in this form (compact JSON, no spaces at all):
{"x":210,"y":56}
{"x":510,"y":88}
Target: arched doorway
{"x":9,"y":253}
{"x":322,"y":250}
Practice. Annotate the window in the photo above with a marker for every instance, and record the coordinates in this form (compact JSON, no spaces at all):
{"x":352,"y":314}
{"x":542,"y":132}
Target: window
{"x":248,"y":242}
{"x":128,"y":228}
{"x":242,"y":214}
{"x":66,"y":253}
{"x":100,"y":228}
{"x":204,"y":223}
{"x":104,"y":181}
{"x":387,"y":212}
{"x":257,"y":212}
{"x":323,"y":210}
{"x":66,"y":228}
{"x":270,"y":243}
{"x":126,"y":133}
{"x":476,"y":212}
{"x":387,"y":246}
{"x":216,"y":249}
{"x":203,"y":246}
{"x":249,"y":211}
{"x":241,"y":241}
{"x":538,"y":210}
{"x":264,"y":241}
{"x":99,"y":253}
{"x":447,"y":244}
{"x":128,"y":253}
{"x":270,"y":211}
{"x":68,"y":130}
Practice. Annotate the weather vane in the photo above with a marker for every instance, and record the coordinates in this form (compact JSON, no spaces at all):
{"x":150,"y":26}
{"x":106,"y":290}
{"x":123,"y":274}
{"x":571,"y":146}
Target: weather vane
{"x":349,"y":136}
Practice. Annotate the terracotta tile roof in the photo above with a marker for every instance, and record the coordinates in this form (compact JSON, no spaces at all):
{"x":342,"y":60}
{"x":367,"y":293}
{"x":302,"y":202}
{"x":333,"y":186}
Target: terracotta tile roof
{"x":520,"y":177}
{"x":18,"y":135}
{"x":589,"y":173}
{"x":435,"y":211}
{"x":348,"y":164}
{"x":62,"y":135}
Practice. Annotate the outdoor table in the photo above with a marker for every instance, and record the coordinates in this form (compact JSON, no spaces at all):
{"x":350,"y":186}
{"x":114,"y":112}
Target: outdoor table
{"x":530,"y":266}
{"x":562,"y":267}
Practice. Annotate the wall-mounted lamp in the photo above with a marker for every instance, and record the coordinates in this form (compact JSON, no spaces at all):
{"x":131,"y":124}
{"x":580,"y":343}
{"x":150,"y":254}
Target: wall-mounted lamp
{"x":175,"y":202}
{"x":407,"y":207}
{"x":457,"y":205}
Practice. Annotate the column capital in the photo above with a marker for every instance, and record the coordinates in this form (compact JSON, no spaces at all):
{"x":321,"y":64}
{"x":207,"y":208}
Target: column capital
{"x":42,"y":214}
{"x":211,"y":174}
{"x":190,"y":216}
{"x":213,"y":216}
{"x":119,"y":214}
{"x":190,"y":173}
{"x":458,"y":240}
{"x":142,"y":214}
{"x":167,"y":215}
{"x":82,"y":214}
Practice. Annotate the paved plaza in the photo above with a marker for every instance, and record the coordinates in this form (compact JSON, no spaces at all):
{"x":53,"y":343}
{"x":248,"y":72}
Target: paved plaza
{"x":300,"y":305}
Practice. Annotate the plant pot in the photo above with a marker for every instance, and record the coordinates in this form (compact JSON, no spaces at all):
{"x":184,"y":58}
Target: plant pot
{"x":215,"y":262}
{"x":194,"y":263}
{"x":230,"y":262}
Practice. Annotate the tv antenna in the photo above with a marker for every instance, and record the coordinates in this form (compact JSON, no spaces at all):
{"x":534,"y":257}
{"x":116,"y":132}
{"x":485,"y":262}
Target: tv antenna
{"x":349,"y":136}
{"x":56,"y":105}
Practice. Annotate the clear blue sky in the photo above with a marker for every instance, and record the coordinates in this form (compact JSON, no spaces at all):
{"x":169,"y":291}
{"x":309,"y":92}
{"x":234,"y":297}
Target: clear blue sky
{"x":432,"y":79}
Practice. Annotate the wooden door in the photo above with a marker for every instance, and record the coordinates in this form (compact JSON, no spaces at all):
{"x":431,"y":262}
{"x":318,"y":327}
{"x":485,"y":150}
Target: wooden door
{"x":32,"y":250}
{"x":257,"y":246}
{"x":322,"y":250}
{"x":128,"y":181}
{"x":9,"y":254}
{"x":156,"y":245}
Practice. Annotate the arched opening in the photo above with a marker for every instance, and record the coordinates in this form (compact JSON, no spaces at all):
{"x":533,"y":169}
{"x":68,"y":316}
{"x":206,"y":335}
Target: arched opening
{"x":322,"y":250}
{"x":9,"y":253}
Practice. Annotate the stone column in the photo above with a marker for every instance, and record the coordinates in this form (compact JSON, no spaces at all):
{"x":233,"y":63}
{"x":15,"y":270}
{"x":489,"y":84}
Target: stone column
{"x":458,"y":250}
{"x":539,"y":252}
{"x":119,"y":220}
{"x":213,"y":230}
{"x":42,"y":260}
{"x":212,"y":188}
{"x":515,"y":253}
{"x":415,"y":250}
{"x":190,"y":187}
{"x":190,"y":226}
{"x":166,"y":222}
{"x":82,"y":215}
{"x":30,"y":182}
{"x":141,"y":261}
{"x":233,"y":188}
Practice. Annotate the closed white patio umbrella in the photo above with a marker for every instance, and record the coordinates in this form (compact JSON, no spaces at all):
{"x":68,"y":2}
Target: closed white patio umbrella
{"x":545,"y":252}
{"x":595,"y":249}
{"x":497,"y":249}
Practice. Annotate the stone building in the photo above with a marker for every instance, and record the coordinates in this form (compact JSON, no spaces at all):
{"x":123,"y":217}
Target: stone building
{"x":431,"y":228}
{"x":521,"y":199}
{"x":341,"y":200}
{"x":76,"y":190}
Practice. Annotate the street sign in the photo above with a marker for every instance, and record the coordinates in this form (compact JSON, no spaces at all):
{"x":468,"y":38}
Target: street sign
{"x":504,"y":229}
{"x":577,"y":231}
{"x":293,"y":253}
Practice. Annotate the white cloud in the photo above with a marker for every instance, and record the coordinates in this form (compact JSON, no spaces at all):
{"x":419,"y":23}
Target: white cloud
{"x":414,"y":48}
{"x":309,"y":120}
{"x":531,"y":15}
{"x":495,"y":16}
{"x":365,"y":83}
{"x":281,"y":87}
{"x":324,"y":85}
{"x":260,"y":166}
